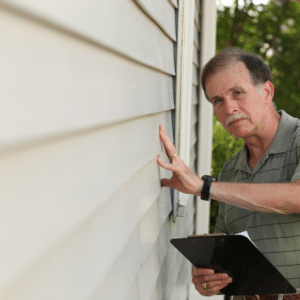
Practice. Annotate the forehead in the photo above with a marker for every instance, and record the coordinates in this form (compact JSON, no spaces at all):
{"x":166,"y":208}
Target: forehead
{"x":222,"y":81}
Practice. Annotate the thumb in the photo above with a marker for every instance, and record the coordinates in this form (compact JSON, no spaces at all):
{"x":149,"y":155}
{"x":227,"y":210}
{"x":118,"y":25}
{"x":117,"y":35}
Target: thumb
{"x":166,"y":182}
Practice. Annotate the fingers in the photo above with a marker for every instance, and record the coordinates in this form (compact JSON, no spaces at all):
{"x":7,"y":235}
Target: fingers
{"x":210,"y":291}
{"x":202,"y":272}
{"x":169,"y":146}
{"x":214,"y":282}
{"x":212,"y":288}
{"x":166,"y":182}
{"x":215,"y":277}
{"x":170,"y":150}
{"x":166,"y":166}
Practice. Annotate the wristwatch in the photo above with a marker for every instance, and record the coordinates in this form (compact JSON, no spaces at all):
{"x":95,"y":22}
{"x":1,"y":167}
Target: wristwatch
{"x":208,"y":180}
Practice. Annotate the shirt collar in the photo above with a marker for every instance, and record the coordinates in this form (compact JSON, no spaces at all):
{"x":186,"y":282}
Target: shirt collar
{"x":281,"y":142}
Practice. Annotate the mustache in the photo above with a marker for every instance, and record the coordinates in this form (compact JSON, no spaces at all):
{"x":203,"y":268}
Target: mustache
{"x":236,"y":117}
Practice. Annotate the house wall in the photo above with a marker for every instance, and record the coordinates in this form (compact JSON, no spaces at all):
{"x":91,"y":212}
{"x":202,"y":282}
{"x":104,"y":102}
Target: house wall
{"x":85,"y":85}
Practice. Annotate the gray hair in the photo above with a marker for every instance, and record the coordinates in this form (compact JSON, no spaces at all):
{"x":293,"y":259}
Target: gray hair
{"x":258,"y":69}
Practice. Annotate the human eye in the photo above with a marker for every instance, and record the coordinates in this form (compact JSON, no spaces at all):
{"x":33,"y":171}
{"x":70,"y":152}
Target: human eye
{"x":238,"y":92}
{"x":216,"y":101}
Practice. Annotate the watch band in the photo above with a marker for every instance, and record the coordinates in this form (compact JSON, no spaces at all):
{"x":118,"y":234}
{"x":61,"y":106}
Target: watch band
{"x":208,"y":180}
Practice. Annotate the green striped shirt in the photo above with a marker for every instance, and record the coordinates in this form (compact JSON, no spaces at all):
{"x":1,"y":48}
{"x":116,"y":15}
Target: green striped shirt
{"x":277,"y":236}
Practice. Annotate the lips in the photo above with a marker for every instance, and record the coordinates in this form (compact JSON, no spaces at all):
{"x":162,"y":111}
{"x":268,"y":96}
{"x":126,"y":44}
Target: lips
{"x":236,"y":121}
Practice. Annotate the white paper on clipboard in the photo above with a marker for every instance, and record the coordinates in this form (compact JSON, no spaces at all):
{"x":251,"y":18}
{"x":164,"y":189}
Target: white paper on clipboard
{"x":245,"y":233}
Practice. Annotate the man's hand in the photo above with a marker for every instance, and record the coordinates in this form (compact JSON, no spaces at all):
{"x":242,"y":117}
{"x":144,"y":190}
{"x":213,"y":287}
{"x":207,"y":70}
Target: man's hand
{"x":214,"y":282}
{"x":183,"y":180}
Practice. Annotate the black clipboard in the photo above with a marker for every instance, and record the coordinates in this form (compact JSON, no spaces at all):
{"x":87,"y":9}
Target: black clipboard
{"x":236,"y":255}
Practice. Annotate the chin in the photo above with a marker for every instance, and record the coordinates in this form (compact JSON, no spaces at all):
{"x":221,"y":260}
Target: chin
{"x":239,"y":134}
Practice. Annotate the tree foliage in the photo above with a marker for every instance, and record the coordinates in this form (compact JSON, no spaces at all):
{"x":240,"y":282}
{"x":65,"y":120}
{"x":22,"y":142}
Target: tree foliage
{"x":273,"y":32}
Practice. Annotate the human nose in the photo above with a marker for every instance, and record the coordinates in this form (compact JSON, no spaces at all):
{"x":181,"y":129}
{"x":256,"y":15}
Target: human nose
{"x":231,"y":106}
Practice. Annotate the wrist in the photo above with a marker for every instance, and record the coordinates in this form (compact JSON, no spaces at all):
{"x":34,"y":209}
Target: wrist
{"x":207,"y":182}
{"x":201,"y":187}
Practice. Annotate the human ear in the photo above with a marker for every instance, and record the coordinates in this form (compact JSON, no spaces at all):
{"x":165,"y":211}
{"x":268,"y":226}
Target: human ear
{"x":268,"y":91}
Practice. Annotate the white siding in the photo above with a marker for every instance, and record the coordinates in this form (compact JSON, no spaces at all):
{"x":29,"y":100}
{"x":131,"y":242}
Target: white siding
{"x":85,"y":85}
{"x":117,"y":24}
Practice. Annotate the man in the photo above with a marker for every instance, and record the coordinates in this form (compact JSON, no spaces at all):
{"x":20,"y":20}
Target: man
{"x":259,"y":188}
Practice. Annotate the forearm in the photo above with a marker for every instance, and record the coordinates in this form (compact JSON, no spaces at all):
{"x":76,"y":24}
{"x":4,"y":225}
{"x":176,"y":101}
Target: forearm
{"x":282,"y":198}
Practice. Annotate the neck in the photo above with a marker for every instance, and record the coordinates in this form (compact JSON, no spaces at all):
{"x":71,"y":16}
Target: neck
{"x":258,"y":145}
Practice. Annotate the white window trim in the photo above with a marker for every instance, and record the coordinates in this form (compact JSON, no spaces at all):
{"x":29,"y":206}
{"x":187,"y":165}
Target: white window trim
{"x":183,"y":92}
{"x":205,"y":133}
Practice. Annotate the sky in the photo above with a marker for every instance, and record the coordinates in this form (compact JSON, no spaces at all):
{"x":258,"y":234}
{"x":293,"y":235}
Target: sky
{"x":230,"y":2}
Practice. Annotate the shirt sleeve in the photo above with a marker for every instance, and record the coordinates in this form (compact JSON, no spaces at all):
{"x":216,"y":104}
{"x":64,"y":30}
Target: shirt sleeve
{"x":296,"y":175}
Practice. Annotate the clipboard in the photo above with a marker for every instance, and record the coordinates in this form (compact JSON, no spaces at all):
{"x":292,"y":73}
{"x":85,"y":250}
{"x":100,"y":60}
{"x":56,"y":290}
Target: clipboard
{"x":251,"y":272}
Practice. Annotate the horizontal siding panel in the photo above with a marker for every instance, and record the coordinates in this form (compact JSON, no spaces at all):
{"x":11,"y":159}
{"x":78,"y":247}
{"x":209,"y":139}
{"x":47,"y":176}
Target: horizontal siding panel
{"x":134,"y":292}
{"x":156,"y":294}
{"x":105,"y":23}
{"x":183,"y":281}
{"x":196,"y":37}
{"x":149,"y":271}
{"x":69,"y":176}
{"x":164,"y":285}
{"x":170,"y":266}
{"x":195,"y":95}
{"x":193,"y":155}
{"x":193,"y":138}
{"x":83,"y":87}
{"x":163,"y":13}
{"x":126,"y":211}
{"x":197,"y":26}
{"x":195,"y":79}
{"x":160,"y":286}
{"x":194,"y":115}
{"x":174,"y":258}
{"x":193,"y":167}
{"x":197,"y":18}
{"x":95,"y":249}
{"x":72,"y":273}
{"x":152,"y":222}
{"x":174,"y":3}
{"x":195,"y":56}
{"x":197,"y":5}
{"x":122,"y":274}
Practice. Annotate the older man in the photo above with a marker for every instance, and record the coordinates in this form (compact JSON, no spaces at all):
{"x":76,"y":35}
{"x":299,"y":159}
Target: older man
{"x":259,"y":187}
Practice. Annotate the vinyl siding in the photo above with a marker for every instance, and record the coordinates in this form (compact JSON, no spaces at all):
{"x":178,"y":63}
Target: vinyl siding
{"x":195,"y":99}
{"x":85,"y":85}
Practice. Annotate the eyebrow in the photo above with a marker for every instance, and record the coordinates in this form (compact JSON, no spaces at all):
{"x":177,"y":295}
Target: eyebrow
{"x":231,"y":89}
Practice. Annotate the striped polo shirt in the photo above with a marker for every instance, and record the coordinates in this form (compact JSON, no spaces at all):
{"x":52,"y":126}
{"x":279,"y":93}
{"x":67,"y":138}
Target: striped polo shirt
{"x":277,"y":236}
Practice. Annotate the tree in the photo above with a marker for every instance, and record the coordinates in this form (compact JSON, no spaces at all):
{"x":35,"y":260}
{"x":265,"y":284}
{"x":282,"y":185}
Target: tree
{"x":272,"y":31}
